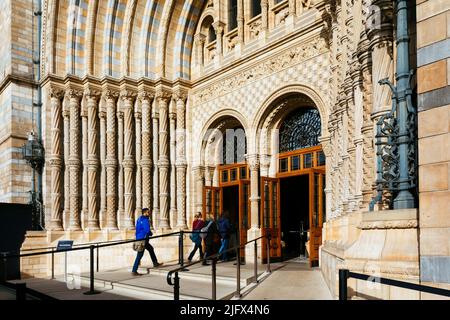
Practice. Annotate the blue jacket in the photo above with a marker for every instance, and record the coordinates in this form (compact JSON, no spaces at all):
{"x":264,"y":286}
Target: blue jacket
{"x":224,"y":227}
{"x":143,"y":228}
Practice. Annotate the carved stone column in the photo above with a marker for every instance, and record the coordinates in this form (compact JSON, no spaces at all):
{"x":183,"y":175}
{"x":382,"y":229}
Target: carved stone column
{"x":128,"y":160}
{"x":66,"y":115}
{"x":121,"y":204}
{"x":92,"y":98}
{"x":173,"y":187}
{"x":155,"y":116}
{"x":264,"y":15}
{"x":253,"y":163}
{"x":146,"y":160}
{"x":292,"y":10}
{"x":138,"y":135}
{"x":200,"y":42}
{"x":219,"y":28}
{"x":84,"y":151}
{"x":240,"y":21}
{"x":56,"y":158}
{"x":102,"y":116}
{"x":181,"y":163}
{"x":111,"y":160}
{"x":74,"y":158}
{"x":163,"y":99}
{"x":198,"y":173}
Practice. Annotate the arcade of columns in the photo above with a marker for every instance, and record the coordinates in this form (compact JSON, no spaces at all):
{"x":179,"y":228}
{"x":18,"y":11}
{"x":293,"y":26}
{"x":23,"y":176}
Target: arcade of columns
{"x":109,"y":146}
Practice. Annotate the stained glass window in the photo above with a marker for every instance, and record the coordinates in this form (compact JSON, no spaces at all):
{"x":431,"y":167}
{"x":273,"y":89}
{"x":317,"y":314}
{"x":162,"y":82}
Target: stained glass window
{"x":301,"y":129}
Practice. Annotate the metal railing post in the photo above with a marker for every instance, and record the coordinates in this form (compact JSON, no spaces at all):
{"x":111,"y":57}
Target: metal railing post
{"x":21,"y":291}
{"x":176,"y":287}
{"x":91,"y":260}
{"x":256,"y":262}
{"x":343,"y":276}
{"x":53,"y":264}
{"x":180,"y":250}
{"x":98,"y":258}
{"x":213,"y":269}
{"x":238,"y":273}
{"x":5,"y":267}
{"x":268,"y":254}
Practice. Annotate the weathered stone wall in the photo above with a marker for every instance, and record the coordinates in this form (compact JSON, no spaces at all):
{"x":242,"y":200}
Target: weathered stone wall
{"x":433,"y":60}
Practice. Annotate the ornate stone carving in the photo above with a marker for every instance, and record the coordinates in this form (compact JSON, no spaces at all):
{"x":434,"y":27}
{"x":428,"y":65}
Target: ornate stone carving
{"x":286,"y":59}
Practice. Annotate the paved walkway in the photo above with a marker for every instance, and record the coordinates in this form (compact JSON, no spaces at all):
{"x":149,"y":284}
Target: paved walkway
{"x":294,"y":281}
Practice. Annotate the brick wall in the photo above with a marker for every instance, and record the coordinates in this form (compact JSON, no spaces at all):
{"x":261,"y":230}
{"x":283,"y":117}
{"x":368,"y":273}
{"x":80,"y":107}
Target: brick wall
{"x":433,"y":76}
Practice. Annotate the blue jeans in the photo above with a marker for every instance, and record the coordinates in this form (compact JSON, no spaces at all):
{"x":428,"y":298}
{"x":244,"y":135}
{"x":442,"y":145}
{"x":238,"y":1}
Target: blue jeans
{"x":224,"y":247}
{"x":139,"y":256}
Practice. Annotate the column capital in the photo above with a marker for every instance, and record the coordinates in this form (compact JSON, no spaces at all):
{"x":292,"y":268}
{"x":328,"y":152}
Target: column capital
{"x":219,"y":27}
{"x":128,"y":95}
{"x":92,"y":93}
{"x":73,"y":94}
{"x":146,"y":96}
{"x":163,"y":95}
{"x":110,"y":95}
{"x":56,"y":92}
{"x":253,"y":161}
{"x":200,"y":38}
{"x":180,"y":96}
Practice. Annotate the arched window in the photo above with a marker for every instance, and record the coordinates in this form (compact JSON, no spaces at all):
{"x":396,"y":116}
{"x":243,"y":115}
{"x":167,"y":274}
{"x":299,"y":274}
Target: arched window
{"x":211,"y":34}
{"x":232,"y":14}
{"x":234,"y":145}
{"x":256,"y":7}
{"x":301,"y":129}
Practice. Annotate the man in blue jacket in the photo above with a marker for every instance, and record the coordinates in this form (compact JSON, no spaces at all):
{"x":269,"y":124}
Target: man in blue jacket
{"x":143,"y":232}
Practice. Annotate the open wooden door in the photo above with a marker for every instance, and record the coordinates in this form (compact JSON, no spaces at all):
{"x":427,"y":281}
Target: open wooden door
{"x":316,"y":216}
{"x":270,"y":216}
{"x":244,"y":212}
{"x":212,"y":201}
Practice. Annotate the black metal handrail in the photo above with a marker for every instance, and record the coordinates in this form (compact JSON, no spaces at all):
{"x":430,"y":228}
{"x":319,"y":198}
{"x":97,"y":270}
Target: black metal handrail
{"x":345,"y":274}
{"x":176,"y":280}
{"x":22,"y":290}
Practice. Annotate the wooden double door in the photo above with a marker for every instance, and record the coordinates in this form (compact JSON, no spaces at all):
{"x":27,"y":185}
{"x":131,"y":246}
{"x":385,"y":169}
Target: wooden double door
{"x":235,"y":200}
{"x":271,"y":214}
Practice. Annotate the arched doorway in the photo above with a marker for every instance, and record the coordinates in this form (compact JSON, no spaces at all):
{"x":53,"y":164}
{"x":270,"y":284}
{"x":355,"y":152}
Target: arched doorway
{"x":229,"y":191}
{"x":292,"y":198}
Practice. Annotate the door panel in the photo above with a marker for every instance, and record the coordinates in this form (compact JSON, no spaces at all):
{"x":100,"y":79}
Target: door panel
{"x":212,"y":201}
{"x":316,"y":183}
{"x":244,"y":212}
{"x":270,"y":215}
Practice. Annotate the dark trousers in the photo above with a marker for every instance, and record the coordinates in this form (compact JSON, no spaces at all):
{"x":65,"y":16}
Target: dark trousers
{"x":198,"y":245}
{"x":139,"y":256}
{"x":209,"y":250}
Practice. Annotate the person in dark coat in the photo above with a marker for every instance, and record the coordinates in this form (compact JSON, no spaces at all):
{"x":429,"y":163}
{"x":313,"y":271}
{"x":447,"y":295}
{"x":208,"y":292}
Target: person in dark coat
{"x":143,"y":232}
{"x":197,"y":225}
{"x":210,"y":238}
{"x":224,"y":230}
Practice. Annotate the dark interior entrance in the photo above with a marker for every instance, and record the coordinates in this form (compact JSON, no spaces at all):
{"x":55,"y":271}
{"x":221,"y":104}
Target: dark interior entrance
{"x":294,"y":207}
{"x":230,"y":204}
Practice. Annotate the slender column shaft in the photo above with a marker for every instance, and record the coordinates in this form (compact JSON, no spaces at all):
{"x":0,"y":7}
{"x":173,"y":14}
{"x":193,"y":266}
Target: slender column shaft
{"x":146,"y":160}
{"x":56,"y":159}
{"x":66,"y":115}
{"x":163,"y":160}
{"x":111,"y":160}
{"x":120,"y":163}
{"x":138,"y":135}
{"x":93,"y":161}
{"x":253,"y":162}
{"x":265,"y":15}
{"x":74,"y":159}
{"x":102,"y":115}
{"x":156,"y":169}
{"x":84,"y":167}
{"x":129,"y":159}
{"x":181,"y":164}
{"x":173,"y":181}
{"x":240,"y":21}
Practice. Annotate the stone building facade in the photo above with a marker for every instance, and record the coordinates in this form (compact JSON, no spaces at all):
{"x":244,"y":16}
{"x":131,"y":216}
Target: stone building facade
{"x":137,"y":93}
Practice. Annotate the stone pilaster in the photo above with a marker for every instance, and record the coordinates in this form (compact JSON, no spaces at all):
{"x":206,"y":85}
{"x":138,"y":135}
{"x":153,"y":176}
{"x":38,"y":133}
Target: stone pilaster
{"x":56,"y":159}
{"x":181,"y":163}
{"x":120,"y":199}
{"x":138,"y":137}
{"x":240,"y":21}
{"x":74,"y":162}
{"x":128,"y":160}
{"x":253,"y":163}
{"x":146,"y":160}
{"x":84,"y":166}
{"x":264,"y":15}
{"x":173,"y":181}
{"x":155,"y":117}
{"x":66,"y":115}
{"x":163,"y":100}
{"x":200,"y":44}
{"x":92,"y":99}
{"x":198,"y":173}
{"x":111,"y":160}
{"x":102,"y":116}
{"x":219,"y":28}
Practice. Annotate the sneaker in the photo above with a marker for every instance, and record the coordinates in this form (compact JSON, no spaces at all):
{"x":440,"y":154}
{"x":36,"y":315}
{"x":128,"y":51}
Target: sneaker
{"x":156,"y":265}
{"x":136,"y":274}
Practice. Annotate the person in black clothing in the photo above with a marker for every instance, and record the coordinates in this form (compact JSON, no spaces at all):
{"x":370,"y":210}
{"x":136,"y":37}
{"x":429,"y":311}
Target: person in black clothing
{"x":210,"y":238}
{"x":224,"y":230}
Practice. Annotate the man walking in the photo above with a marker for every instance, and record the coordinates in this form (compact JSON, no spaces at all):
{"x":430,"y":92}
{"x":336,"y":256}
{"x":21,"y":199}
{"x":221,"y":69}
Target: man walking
{"x":143,"y":233}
